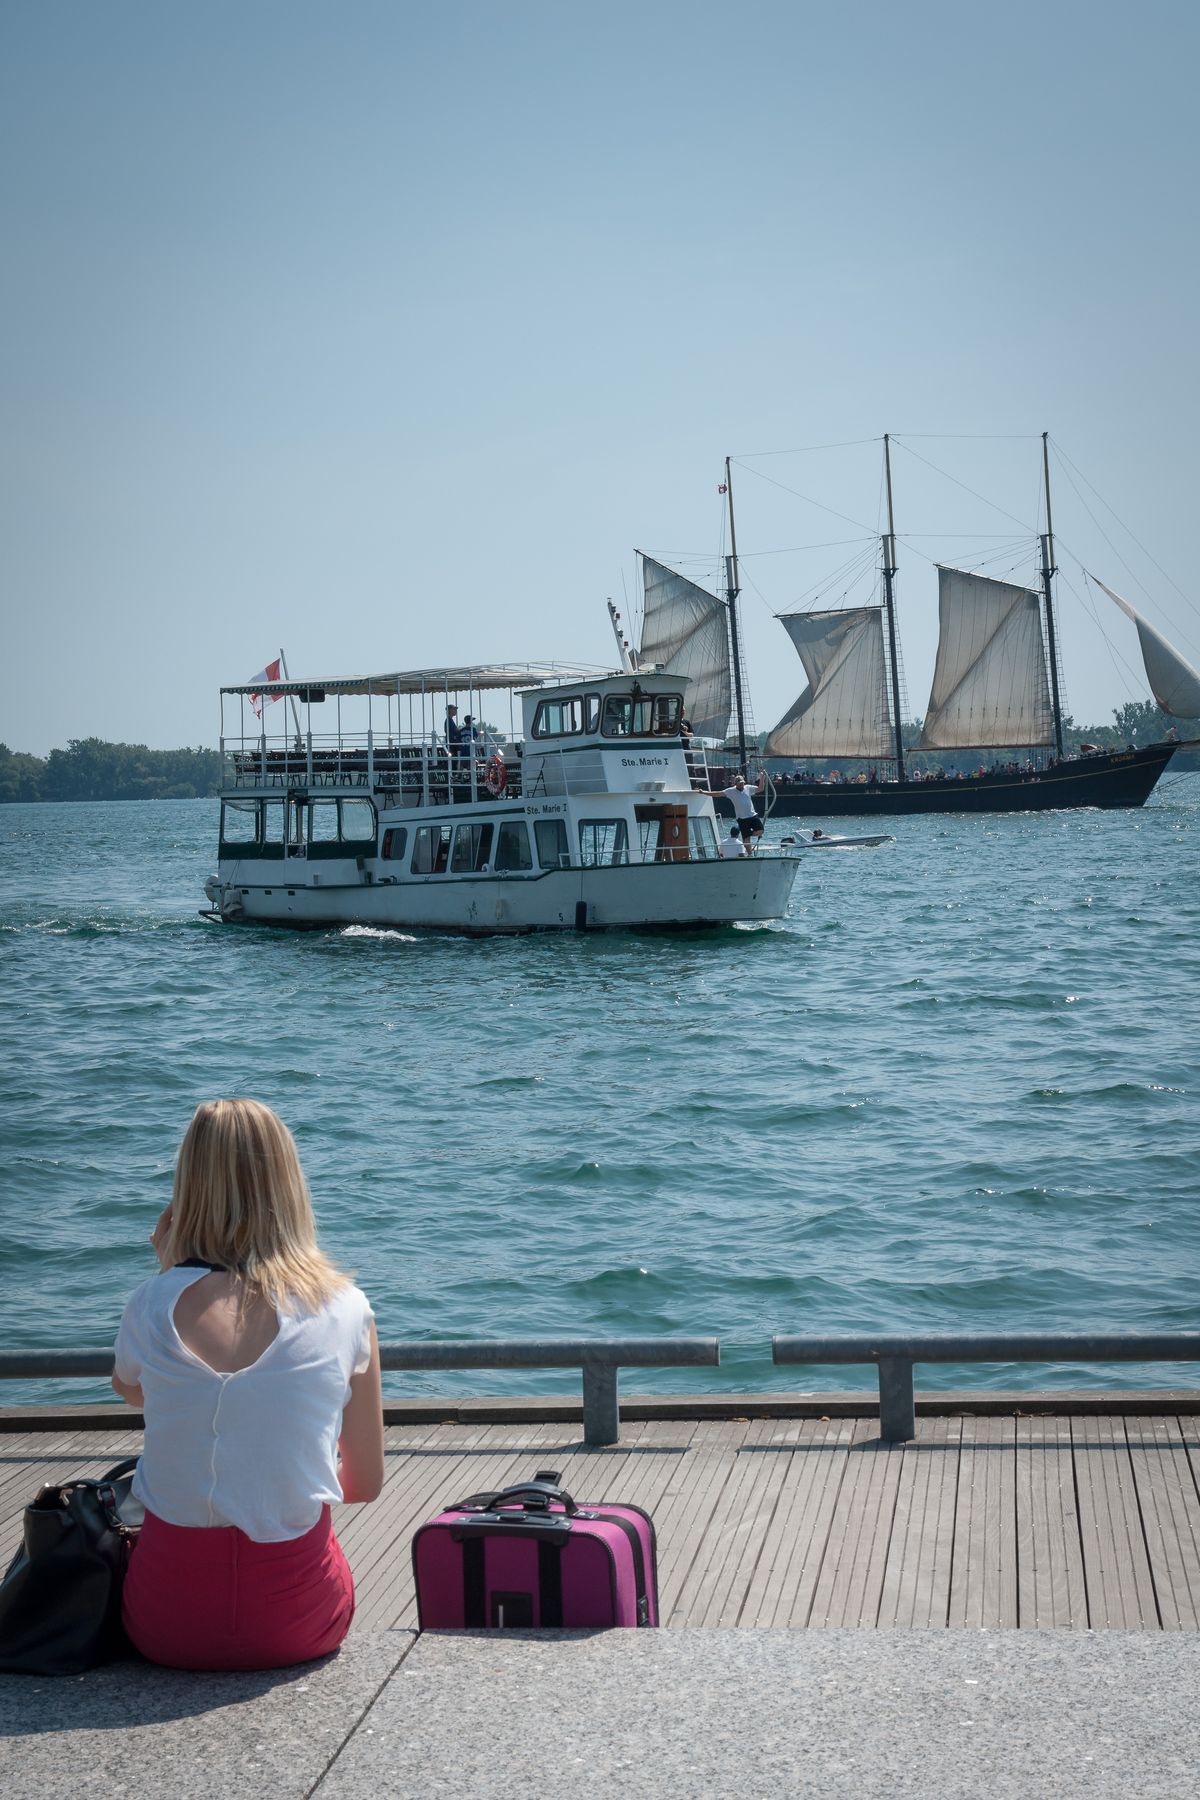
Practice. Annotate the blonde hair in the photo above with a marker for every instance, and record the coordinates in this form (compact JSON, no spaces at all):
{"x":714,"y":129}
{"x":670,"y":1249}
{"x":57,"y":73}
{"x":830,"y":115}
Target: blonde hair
{"x":241,"y":1201}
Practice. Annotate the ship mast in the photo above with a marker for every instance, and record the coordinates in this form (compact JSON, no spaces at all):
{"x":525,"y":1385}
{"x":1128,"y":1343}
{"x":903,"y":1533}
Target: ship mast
{"x":732,"y":590}
{"x":1048,"y":570}
{"x":889,"y":571}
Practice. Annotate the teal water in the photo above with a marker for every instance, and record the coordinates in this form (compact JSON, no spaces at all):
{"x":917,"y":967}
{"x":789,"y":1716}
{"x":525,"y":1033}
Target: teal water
{"x":955,"y":1088}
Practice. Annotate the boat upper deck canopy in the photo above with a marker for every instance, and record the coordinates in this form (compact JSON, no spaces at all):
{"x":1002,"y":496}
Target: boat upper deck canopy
{"x":461,"y":678}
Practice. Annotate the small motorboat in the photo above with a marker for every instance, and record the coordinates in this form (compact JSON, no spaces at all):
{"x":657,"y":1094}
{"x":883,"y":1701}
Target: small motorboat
{"x":826,"y":840}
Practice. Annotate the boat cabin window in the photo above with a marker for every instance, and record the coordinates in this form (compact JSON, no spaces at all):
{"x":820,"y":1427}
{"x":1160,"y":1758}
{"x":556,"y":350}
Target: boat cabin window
{"x":642,"y":715}
{"x":431,"y":849}
{"x":472,"y":849}
{"x":602,"y":841}
{"x":394,"y":842}
{"x":239,"y":822}
{"x":512,"y":847}
{"x":554,"y":852}
{"x":358,"y":822}
{"x":323,"y":822}
{"x":272,"y":822}
{"x":704,"y":838}
{"x":559,"y":718}
{"x":593,"y":712}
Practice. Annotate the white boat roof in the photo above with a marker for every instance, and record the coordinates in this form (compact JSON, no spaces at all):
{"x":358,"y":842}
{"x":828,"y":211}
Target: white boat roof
{"x":429,"y":681}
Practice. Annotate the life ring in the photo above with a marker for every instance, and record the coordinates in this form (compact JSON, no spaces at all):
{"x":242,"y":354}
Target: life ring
{"x":496,"y":778}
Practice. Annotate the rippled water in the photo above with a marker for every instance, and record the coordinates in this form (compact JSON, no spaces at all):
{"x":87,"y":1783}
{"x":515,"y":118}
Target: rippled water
{"x":956,"y":1087}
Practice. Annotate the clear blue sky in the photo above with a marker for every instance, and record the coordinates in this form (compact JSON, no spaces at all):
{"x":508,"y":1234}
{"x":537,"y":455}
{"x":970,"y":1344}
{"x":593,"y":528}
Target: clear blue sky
{"x":385,"y":332}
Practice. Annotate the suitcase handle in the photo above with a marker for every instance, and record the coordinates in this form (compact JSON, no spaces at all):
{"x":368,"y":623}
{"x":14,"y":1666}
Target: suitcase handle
{"x":551,"y":1528}
{"x":538,"y":1493}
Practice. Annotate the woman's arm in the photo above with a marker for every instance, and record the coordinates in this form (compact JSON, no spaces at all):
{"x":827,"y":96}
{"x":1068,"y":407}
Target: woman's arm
{"x":129,"y":1390}
{"x":159,"y":1238}
{"x":361,"y":1441}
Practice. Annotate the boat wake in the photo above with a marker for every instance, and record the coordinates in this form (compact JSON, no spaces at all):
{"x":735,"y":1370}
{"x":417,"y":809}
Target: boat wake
{"x":378,"y":931}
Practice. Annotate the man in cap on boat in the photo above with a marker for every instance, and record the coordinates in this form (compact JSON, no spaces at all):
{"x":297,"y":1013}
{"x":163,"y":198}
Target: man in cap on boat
{"x":742,"y":798}
{"x":454,"y":735}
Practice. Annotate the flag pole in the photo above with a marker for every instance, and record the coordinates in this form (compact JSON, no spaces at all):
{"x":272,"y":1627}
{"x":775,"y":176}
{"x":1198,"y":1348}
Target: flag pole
{"x":291,"y":697}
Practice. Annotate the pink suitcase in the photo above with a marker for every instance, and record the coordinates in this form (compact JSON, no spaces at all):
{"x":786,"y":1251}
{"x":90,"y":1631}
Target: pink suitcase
{"x":528,"y":1556}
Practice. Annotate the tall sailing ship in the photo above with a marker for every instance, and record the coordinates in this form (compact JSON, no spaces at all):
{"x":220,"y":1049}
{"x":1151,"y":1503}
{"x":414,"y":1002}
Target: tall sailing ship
{"x":996,"y":689}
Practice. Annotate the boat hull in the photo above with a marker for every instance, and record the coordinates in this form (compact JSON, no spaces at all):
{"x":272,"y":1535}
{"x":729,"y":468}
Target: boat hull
{"x":1113,"y":779}
{"x":652,"y":896}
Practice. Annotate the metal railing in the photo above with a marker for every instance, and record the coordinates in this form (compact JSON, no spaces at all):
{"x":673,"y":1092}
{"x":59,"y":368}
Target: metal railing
{"x":896,"y":1354}
{"x":600,"y":1360}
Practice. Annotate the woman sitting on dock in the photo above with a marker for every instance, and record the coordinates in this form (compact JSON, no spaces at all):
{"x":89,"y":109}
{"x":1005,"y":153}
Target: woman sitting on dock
{"x":255,"y":1363}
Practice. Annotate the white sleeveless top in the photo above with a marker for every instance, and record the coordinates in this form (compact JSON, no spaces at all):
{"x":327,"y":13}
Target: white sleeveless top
{"x":256,"y":1448}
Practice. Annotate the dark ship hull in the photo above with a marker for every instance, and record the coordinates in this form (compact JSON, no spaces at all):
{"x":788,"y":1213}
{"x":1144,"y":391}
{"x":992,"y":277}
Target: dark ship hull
{"x":1113,"y":778}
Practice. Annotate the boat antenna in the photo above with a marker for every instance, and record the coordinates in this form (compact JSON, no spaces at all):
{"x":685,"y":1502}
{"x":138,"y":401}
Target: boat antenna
{"x":889,"y":572}
{"x":623,"y":649}
{"x":1048,"y":570}
{"x":732,"y":590}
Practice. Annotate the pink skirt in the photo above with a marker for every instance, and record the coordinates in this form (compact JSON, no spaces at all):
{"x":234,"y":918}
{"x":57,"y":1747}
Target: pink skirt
{"x":214,"y":1599}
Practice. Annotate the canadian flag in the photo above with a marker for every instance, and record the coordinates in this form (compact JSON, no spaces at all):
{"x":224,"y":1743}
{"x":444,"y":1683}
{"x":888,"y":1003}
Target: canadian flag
{"x":270,"y":673}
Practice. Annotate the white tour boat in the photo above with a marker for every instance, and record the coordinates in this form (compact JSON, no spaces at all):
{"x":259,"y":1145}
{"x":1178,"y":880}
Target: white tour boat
{"x":595,"y":815}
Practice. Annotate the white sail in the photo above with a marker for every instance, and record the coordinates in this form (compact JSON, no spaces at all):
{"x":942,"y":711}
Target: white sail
{"x":989,"y":682}
{"x":843,"y":711}
{"x":686,"y":632}
{"x":1173,"y":682}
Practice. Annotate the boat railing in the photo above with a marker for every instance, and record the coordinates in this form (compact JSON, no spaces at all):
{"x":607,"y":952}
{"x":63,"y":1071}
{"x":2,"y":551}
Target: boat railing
{"x":406,"y":772}
{"x":402,"y":770}
{"x":896,"y":1354}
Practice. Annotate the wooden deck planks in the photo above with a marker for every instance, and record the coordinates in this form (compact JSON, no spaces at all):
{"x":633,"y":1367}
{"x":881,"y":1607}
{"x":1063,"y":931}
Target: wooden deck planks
{"x":850,"y":1580}
{"x":1120,"y":1587}
{"x":814,"y":1456}
{"x":993,"y":1522}
{"x":682,"y":1517}
{"x":916,"y":1576}
{"x":1170,"y":1510}
{"x":983,"y":1567}
{"x":1051,"y":1590}
{"x":733,"y":1535}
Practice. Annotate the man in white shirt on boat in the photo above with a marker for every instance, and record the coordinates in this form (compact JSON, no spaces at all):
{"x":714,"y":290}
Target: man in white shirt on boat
{"x":733,"y":845}
{"x":742,"y":799}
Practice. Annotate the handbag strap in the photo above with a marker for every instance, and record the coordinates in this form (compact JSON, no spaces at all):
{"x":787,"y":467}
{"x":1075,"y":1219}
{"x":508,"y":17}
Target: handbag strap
{"x":120,"y":1469}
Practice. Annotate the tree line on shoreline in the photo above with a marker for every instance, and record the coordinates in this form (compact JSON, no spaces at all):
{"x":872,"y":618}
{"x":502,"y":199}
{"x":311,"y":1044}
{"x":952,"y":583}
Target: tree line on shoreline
{"x":91,"y":769}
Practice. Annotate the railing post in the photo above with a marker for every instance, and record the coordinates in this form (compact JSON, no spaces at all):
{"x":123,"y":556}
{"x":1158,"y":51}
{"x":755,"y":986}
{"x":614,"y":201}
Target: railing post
{"x":601,"y":1411}
{"x":897,"y":1403}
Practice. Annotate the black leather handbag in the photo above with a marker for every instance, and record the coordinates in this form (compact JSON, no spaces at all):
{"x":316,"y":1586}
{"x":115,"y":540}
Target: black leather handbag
{"x":60,"y":1600}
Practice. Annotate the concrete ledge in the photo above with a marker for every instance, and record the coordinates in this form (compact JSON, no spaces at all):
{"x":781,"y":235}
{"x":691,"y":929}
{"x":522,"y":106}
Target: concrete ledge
{"x":552,"y":1409}
{"x":130,"y":1728}
{"x":843,"y":1715}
